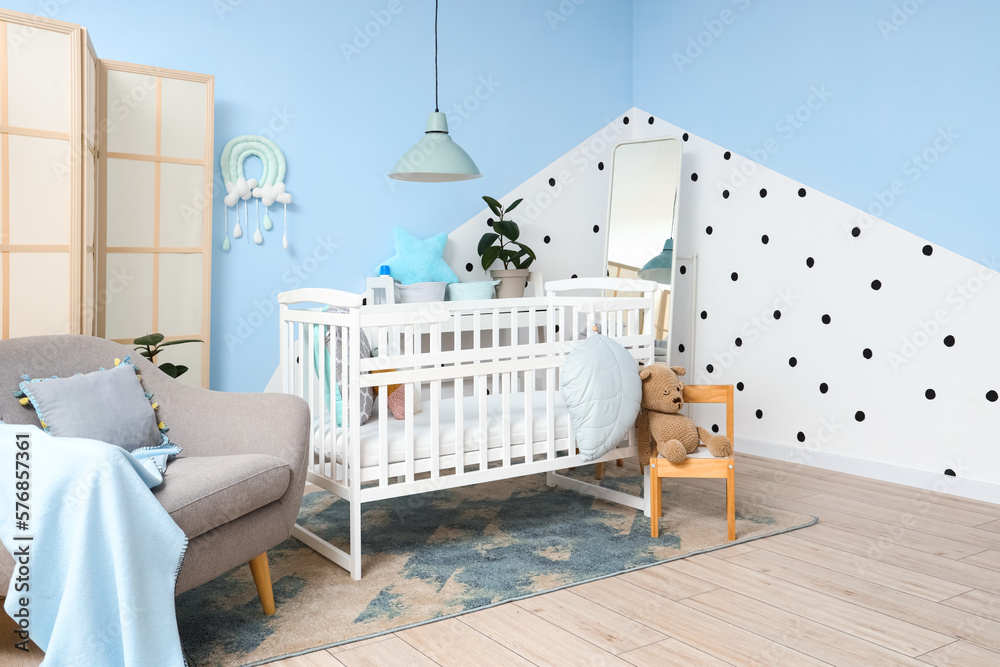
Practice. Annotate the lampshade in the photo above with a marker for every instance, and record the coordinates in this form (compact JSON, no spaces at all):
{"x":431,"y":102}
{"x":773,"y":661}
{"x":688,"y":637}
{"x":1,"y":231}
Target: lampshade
{"x":659,"y":268}
{"x":436,"y":157}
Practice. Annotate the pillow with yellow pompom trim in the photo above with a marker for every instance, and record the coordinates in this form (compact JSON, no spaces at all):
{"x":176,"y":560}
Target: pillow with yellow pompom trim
{"x":106,"y":405}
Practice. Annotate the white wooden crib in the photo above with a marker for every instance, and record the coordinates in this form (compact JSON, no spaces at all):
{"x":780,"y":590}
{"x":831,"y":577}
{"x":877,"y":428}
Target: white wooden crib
{"x":500,"y":357}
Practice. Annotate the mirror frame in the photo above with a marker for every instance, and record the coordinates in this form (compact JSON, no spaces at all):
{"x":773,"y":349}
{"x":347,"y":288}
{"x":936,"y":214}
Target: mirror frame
{"x":673,"y":221}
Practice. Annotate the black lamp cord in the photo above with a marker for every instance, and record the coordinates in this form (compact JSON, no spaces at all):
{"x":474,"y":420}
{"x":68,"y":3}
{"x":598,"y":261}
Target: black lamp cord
{"x":436,"y":56}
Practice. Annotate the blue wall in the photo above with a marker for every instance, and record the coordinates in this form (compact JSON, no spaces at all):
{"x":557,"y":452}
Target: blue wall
{"x":343,"y":120}
{"x":896,"y":79}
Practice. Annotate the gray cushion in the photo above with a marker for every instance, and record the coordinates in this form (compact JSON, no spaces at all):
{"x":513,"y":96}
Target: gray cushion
{"x":203,"y":492}
{"x":110,"y":406}
{"x":335,"y":347}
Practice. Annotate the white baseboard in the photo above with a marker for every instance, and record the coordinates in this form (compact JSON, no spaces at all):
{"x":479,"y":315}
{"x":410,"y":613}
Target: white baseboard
{"x":965,"y":488}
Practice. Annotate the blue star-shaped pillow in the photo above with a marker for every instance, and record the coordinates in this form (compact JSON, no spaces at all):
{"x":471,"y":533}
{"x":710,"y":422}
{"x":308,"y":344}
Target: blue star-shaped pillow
{"x":419,"y":261}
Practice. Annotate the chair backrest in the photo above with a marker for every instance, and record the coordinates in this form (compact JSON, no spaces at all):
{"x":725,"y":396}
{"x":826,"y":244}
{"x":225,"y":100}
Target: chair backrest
{"x":713,"y":393}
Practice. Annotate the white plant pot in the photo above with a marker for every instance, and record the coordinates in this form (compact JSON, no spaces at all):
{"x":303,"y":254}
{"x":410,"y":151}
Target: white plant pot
{"x":512,"y":282}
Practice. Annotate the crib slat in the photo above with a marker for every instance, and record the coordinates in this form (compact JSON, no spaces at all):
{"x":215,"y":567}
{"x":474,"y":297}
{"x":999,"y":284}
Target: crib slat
{"x":529,"y":389}
{"x":483,"y":423}
{"x":459,"y":391}
{"x":307,"y":385}
{"x":382,"y":342}
{"x":550,"y":412}
{"x":320,"y":331}
{"x":495,"y":343}
{"x":505,"y":403}
{"x":409,"y":399}
{"x":348,"y":399}
{"x":435,"y":406}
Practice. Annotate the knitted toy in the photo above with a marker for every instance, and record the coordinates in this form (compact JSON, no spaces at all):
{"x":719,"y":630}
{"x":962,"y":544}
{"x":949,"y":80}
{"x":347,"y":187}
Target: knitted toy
{"x":661,"y":429}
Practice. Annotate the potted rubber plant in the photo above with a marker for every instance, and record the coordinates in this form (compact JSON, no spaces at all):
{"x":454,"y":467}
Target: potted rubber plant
{"x":152,"y":344}
{"x":502,"y":244}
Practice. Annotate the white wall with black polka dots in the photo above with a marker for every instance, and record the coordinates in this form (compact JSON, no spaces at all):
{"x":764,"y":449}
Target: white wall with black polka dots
{"x":852,"y":343}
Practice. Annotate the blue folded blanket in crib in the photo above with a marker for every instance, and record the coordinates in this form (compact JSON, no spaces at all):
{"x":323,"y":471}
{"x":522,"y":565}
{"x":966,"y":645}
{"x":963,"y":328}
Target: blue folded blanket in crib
{"x":95,"y":582}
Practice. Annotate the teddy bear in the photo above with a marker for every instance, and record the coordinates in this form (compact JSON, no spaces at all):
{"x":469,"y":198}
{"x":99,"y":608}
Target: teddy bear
{"x":660,"y":423}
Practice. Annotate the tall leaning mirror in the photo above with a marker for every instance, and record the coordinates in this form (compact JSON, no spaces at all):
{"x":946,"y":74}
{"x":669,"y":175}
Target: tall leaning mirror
{"x":642,"y":221}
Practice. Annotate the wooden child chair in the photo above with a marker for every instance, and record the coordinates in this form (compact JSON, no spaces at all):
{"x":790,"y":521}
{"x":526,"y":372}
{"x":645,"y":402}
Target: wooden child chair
{"x":701,"y":463}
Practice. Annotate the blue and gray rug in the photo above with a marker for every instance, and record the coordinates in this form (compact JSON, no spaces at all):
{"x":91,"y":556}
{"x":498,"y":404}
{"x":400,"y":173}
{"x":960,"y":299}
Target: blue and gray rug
{"x":448,"y":552}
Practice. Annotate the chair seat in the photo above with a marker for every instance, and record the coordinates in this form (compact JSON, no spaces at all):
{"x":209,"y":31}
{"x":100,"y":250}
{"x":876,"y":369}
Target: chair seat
{"x":203,"y":492}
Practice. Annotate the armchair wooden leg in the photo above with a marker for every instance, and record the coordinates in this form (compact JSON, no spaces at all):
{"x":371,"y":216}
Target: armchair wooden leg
{"x":261,"y":572}
{"x":598,"y":471}
{"x":621,"y":462}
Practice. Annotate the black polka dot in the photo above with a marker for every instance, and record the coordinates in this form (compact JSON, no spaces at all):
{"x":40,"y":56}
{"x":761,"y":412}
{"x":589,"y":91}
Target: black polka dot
{"x":685,"y":136}
{"x":823,"y":387}
{"x":825,"y":319}
{"x":557,"y":328}
{"x":625,"y":120}
{"x":856,"y":232}
{"x":949,"y":472}
{"x":800,"y":436}
{"x":764,"y":239}
{"x":552,"y":182}
{"x":715,"y":428}
{"x":930,"y":394}
{"x":597,"y":228}
{"x":810,"y":262}
{"x":708,"y":230}
{"x":468,"y":267}
{"x":763,"y":193}
{"x":710,"y":368}
{"x":739,"y":386}
{"x":600,"y":166}
{"x":547,"y":239}
{"x":876,"y":285}
{"x":574,"y":276}
{"x":489,"y":221}
{"x":859,"y":416}
{"x":704,"y":314}
{"x":802,"y":192}
{"x":928,"y":250}
{"x":683,"y":270}
{"x":738,"y":342}
{"x":650,"y":121}
{"x":725,"y":194}
{"x":949,"y":340}
{"x":726,"y":155}
{"x":760,"y":414}
{"x":867,"y":353}
{"x":680,"y":348}
{"x":793,"y":362}
{"x":991,"y":396}
{"x":694,"y":177}
{"x":776,"y":314}
{"x":734,"y":276}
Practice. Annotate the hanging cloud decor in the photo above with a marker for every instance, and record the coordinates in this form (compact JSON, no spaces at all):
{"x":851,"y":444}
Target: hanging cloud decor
{"x":268,"y":190}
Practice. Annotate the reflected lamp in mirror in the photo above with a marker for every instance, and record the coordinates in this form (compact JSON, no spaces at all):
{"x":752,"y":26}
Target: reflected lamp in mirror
{"x":659,"y":268}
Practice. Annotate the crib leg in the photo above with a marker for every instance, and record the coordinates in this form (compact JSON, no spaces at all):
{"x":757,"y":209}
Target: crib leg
{"x":550,"y":480}
{"x":356,"y":540}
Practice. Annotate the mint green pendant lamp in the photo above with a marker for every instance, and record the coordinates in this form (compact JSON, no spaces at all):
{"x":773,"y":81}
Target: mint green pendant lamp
{"x":659,"y":268}
{"x":436,"y":158}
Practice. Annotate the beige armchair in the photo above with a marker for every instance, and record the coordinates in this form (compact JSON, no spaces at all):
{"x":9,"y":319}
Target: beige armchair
{"x":236,"y":488}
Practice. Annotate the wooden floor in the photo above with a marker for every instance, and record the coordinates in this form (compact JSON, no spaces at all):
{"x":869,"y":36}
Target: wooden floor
{"x":891,"y":575}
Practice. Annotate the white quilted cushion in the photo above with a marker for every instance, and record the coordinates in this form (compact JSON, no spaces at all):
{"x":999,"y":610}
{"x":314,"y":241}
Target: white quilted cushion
{"x":601,"y":387}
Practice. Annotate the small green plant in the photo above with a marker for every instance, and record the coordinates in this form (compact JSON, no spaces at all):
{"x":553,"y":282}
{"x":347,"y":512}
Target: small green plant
{"x":509,"y":251}
{"x":151,"y":345}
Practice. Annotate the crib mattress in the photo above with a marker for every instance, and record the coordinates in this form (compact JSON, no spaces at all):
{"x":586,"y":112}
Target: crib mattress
{"x":396,"y":429}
